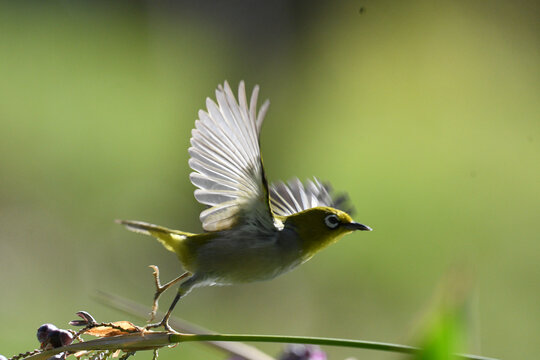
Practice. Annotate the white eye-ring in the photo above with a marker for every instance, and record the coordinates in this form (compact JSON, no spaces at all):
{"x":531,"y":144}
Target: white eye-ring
{"x":332,"y":221}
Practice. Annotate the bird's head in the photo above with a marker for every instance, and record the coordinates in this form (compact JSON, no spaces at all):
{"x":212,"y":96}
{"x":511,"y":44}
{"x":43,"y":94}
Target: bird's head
{"x":321,"y":226}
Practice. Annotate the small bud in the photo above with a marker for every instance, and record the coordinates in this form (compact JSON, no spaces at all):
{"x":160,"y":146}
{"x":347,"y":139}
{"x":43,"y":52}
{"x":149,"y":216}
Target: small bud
{"x":2,"y":357}
{"x":43,"y":332}
{"x":86,"y":319}
{"x":302,"y":352}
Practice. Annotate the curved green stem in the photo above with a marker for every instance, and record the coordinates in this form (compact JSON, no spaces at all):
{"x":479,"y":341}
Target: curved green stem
{"x":295,"y":340}
{"x":359,"y":344}
{"x":156,"y":340}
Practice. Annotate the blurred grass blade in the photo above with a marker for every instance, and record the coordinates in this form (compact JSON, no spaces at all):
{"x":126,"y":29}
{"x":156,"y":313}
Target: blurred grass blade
{"x":445,"y":321}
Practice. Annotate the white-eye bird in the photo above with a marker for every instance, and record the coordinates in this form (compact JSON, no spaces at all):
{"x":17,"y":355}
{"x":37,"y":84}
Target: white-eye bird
{"x":253,"y":231}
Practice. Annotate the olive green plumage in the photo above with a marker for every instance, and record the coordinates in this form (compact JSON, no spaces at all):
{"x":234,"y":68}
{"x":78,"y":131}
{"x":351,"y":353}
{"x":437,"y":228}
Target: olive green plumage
{"x":253,"y":231}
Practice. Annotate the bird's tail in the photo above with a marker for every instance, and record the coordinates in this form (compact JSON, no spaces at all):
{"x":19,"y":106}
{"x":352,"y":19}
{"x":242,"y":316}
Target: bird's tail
{"x":171,"y":239}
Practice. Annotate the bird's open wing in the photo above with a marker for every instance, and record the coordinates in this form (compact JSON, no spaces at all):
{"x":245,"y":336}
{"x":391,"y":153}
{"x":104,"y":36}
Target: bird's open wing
{"x":292,"y":197}
{"x":226,"y":159}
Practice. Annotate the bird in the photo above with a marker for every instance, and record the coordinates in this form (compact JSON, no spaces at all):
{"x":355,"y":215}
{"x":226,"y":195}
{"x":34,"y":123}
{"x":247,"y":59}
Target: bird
{"x":253,"y":230}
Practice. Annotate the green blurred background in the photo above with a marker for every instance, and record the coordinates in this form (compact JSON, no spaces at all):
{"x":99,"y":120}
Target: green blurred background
{"x":426,"y":113}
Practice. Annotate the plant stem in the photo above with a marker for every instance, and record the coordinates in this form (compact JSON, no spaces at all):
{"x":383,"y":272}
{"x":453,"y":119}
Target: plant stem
{"x":295,"y":340}
{"x":359,"y":344}
{"x":155,"y":340}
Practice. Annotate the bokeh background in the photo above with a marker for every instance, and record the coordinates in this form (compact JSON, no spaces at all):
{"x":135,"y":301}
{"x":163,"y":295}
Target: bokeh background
{"x":426,"y":113}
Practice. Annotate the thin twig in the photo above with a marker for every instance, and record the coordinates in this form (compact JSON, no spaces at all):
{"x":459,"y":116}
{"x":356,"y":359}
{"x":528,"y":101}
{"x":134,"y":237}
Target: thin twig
{"x":126,"y":343}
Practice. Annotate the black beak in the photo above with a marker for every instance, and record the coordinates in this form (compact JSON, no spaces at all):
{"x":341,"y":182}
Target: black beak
{"x":356,"y":226}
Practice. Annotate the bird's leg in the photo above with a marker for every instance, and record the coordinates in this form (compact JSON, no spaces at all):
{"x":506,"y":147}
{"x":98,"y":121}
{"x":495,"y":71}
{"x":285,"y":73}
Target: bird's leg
{"x":165,"y":321}
{"x":183,"y":290}
{"x":161,"y":288}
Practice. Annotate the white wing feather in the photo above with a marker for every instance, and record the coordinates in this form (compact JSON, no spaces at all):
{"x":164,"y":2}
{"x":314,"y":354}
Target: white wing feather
{"x":293,"y":197}
{"x":226,"y":159}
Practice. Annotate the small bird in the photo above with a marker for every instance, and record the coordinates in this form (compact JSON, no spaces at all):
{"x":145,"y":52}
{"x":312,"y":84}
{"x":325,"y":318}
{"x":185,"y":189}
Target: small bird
{"x":253,"y":231}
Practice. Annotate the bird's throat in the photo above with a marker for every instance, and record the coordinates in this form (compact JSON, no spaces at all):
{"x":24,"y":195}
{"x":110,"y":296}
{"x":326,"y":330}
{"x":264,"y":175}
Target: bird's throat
{"x":316,"y":242}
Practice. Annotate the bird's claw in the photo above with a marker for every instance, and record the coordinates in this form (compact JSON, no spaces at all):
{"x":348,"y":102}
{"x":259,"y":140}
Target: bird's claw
{"x":159,"y":290}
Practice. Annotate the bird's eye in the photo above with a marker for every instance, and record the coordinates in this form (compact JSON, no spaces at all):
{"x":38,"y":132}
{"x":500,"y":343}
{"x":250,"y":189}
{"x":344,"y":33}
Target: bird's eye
{"x":332,"y":221}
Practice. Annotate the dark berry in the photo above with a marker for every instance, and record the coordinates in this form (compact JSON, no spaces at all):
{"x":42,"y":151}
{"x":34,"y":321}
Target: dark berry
{"x":44,"y":331}
{"x":60,"y":337}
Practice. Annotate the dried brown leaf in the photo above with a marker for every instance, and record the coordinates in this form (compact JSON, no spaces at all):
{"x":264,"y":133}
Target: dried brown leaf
{"x":120,"y":328}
